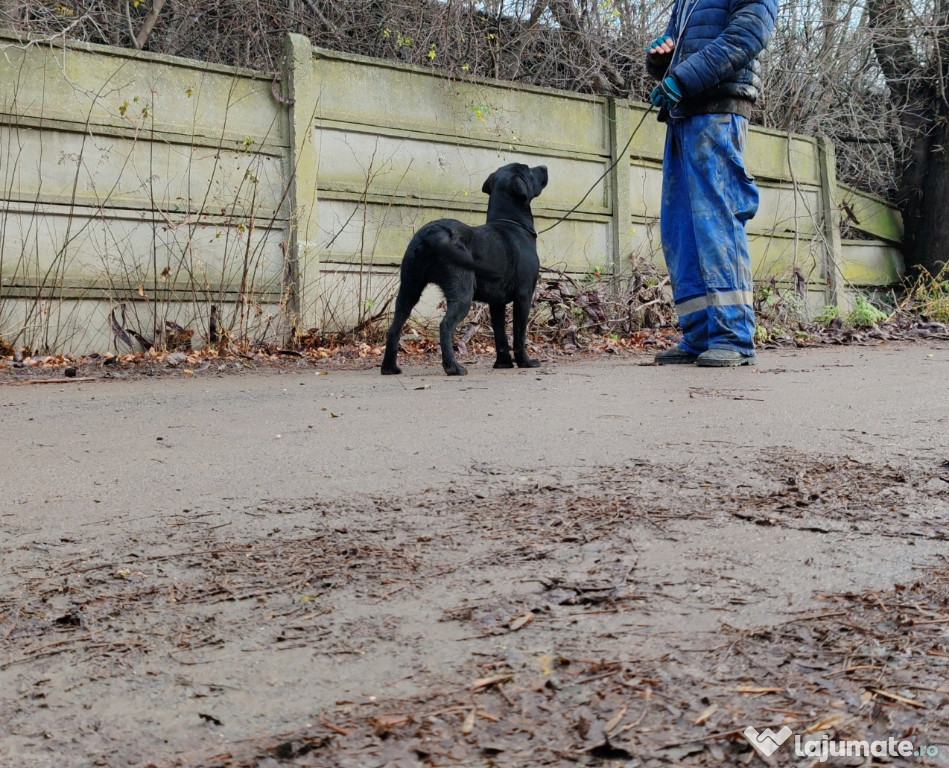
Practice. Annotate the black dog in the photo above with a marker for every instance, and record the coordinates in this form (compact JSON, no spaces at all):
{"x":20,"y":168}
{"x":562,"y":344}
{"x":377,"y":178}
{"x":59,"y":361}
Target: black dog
{"x":495,"y":263}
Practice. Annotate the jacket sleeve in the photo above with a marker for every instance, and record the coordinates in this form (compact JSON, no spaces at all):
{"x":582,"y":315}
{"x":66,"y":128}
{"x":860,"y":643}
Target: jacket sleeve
{"x":746,"y":34}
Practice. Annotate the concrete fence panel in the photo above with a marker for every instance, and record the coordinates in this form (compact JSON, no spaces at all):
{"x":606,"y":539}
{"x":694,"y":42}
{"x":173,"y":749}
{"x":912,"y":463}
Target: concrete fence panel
{"x":139,"y":186}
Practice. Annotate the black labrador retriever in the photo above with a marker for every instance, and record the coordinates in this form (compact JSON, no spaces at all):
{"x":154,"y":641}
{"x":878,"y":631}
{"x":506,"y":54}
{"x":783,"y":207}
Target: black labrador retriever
{"x":495,"y":263}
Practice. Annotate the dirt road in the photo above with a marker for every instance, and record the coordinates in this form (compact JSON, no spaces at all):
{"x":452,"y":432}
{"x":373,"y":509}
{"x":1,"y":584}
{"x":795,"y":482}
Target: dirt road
{"x":598,"y":562}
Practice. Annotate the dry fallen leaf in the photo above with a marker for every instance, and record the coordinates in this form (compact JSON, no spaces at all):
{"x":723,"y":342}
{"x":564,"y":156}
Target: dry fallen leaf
{"x":826,"y":723}
{"x":546,"y":662}
{"x":897,"y":697}
{"x":384,"y":723}
{"x":520,"y":621}
{"x":615,"y":721}
{"x":710,"y":710}
{"x":487,"y":682}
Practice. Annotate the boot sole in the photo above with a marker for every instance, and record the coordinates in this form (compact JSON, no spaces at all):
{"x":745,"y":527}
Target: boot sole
{"x":677,"y":361}
{"x":675,"y":357}
{"x":727,"y":363}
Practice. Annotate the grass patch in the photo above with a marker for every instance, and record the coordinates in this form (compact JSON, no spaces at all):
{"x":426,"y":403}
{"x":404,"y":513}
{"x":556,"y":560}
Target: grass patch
{"x":928,"y":295}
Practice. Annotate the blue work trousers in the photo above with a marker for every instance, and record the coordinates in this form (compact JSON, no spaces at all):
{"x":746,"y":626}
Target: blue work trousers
{"x":707,"y":196}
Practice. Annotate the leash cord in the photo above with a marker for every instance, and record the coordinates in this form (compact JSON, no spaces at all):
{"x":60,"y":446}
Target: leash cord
{"x":622,"y":153}
{"x":619,"y":156}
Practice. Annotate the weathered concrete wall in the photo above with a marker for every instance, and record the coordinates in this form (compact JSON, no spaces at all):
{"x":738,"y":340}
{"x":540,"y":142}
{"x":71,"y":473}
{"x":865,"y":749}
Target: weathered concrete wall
{"x":162,"y":186}
{"x":398,"y":146}
{"x":145,"y":183}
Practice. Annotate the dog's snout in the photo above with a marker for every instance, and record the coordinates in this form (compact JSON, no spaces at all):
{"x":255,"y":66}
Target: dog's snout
{"x":540,"y":178}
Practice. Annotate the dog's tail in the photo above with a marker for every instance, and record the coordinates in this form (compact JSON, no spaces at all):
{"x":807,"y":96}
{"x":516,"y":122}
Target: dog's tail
{"x":454,"y":245}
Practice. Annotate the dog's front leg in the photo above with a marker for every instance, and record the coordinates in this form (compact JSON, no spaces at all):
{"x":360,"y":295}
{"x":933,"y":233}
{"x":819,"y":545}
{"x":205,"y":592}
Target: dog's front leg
{"x":446,"y":332}
{"x":499,"y":326}
{"x":522,"y":308}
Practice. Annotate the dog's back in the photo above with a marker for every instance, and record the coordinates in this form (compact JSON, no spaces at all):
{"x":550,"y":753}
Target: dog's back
{"x":440,"y":244}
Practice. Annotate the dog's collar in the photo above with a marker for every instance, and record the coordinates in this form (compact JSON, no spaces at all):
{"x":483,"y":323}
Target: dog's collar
{"x":530,"y":229}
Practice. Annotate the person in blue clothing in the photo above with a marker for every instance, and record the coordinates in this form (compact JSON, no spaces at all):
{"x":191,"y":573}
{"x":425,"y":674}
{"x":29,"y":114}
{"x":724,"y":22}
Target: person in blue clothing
{"x":708,"y":70}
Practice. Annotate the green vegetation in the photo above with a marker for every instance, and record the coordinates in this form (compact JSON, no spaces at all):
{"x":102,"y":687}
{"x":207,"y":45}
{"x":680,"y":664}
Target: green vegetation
{"x":928,"y":295}
{"x":864,"y":314}
{"x":827,"y":315}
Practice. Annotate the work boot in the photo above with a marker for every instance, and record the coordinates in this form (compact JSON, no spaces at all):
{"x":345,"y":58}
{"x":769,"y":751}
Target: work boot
{"x":724,"y":358}
{"x":675,"y":356}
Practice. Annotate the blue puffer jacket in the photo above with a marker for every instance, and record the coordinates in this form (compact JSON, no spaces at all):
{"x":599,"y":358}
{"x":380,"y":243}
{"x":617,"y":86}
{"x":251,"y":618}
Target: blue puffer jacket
{"x":715,"y":60}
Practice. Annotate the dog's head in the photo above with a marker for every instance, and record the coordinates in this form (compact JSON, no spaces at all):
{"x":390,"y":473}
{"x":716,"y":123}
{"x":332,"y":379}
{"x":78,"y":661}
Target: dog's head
{"x":517,"y":180}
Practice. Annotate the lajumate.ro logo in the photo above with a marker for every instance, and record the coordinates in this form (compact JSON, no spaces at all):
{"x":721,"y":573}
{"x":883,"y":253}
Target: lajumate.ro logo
{"x":767,"y":742}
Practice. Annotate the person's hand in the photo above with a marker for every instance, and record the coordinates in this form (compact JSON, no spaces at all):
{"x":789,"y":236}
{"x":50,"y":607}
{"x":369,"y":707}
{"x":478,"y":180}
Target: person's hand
{"x":667,"y":94}
{"x":661,"y":45}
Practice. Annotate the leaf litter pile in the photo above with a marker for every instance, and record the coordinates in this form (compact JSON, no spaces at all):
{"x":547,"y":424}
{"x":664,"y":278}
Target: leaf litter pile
{"x":561,"y":667}
{"x":570,"y":319}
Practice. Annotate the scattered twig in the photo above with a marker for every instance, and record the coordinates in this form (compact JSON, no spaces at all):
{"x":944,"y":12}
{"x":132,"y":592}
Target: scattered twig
{"x":63,"y":380}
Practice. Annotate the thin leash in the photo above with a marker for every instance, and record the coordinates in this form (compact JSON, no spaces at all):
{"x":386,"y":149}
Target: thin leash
{"x":681,"y":25}
{"x":619,"y":156}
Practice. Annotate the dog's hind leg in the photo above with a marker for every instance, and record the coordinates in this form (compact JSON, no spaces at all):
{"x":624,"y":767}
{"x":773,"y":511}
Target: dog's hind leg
{"x":499,"y":326}
{"x":405,"y":301}
{"x":454,"y":314}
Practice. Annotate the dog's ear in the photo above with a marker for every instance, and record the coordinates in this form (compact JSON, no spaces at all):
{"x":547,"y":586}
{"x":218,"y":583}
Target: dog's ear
{"x":488,"y":184}
{"x":539,"y":175}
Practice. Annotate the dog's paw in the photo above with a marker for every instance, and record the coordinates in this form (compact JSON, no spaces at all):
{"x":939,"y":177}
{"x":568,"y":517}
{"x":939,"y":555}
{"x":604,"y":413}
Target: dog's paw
{"x":391,"y":370}
{"x":528,"y":362}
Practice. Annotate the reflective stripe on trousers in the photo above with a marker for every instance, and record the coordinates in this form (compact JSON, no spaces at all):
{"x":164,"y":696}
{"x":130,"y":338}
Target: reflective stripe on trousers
{"x":707,"y":196}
